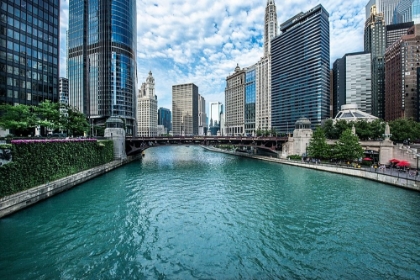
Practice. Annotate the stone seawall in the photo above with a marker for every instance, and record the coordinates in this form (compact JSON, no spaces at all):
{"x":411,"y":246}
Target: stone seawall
{"x":382,"y":178}
{"x":13,"y":203}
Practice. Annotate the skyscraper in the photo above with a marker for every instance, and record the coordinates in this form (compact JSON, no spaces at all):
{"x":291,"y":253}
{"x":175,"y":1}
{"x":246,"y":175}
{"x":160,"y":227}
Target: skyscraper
{"x":375,"y":43}
{"x":402,"y":77}
{"x":102,"y":59}
{"x":29,"y":48}
{"x":165,"y":118}
{"x":202,"y":116}
{"x":300,"y":70}
{"x":147,"y":119}
{"x":338,"y":85}
{"x":395,"y":31}
{"x":235,"y":102}
{"x":63,"y":90}
{"x":215,"y":110}
{"x":263,"y":70}
{"x":384,"y":7}
{"x":185,"y":109}
{"x":353,"y":81}
{"x":250,"y":96}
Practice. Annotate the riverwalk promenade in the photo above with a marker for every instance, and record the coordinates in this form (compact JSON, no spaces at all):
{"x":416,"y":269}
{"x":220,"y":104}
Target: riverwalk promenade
{"x":385,"y":175}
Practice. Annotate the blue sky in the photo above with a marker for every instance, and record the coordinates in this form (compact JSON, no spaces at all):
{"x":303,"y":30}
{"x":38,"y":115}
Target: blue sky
{"x":201,"y":41}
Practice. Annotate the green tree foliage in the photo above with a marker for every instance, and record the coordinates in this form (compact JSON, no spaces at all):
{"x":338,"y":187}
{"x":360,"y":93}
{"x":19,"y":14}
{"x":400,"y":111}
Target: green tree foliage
{"x":318,"y":147}
{"x":404,"y":129}
{"x":329,"y":129}
{"x":362,"y":129}
{"x":19,"y":117}
{"x":348,"y":147}
{"x":47,"y":114}
{"x":377,"y":129}
{"x":341,"y":126}
{"x":76,"y":123}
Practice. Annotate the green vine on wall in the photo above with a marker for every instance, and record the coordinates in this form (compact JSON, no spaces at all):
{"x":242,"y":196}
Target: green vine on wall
{"x":39,"y":162}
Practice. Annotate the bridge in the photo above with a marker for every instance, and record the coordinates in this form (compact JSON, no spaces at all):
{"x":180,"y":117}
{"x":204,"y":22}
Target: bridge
{"x":135,"y":145}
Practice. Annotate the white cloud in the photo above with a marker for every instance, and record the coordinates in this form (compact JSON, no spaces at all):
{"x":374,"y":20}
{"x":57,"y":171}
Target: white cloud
{"x":184,"y":41}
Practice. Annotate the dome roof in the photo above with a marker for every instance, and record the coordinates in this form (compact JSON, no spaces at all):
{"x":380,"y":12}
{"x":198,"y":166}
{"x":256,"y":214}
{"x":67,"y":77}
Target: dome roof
{"x":350,"y":112}
{"x":303,"y":120}
{"x":114,"y":120}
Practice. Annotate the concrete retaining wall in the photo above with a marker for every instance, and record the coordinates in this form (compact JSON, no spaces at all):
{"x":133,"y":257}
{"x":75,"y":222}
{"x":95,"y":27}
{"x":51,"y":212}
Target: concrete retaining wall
{"x":12,"y":203}
{"x":382,"y":178}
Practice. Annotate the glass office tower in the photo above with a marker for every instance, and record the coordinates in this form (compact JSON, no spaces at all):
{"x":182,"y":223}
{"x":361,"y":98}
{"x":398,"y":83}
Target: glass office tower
{"x":102,"y":59}
{"x":29,"y":47}
{"x":165,"y":118}
{"x":250,"y":98}
{"x":300,"y":70}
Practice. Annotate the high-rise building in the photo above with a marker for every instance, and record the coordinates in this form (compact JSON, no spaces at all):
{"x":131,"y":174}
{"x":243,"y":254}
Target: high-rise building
{"x":416,"y":11}
{"x":215,"y":111}
{"x":185,"y":109}
{"x":270,"y":25}
{"x":165,"y":118}
{"x":375,"y":43}
{"x":402,"y":77}
{"x":395,"y":31}
{"x":384,"y":7}
{"x":263,"y":70}
{"x":101,"y":64}
{"x":338,"y":85}
{"x":147,"y":119}
{"x":352,"y":82}
{"x":300,"y":70}
{"x":202,"y":116}
{"x":403,"y":12}
{"x":63,"y":90}
{"x":331,"y":93}
{"x":29,"y":49}
{"x":250,"y":96}
{"x":235,"y":102}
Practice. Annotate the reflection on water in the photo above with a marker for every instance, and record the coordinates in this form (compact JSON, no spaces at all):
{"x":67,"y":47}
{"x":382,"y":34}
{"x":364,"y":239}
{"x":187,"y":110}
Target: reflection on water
{"x":186,"y":213}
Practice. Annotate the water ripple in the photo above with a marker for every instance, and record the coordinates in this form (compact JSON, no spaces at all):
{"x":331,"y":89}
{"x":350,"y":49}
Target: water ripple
{"x":186,"y":213}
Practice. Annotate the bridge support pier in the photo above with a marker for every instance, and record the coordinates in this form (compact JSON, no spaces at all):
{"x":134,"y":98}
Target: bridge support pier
{"x":115,"y":131}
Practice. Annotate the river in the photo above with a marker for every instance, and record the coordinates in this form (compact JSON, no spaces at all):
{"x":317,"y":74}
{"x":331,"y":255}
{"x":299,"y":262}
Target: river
{"x":188,"y":213}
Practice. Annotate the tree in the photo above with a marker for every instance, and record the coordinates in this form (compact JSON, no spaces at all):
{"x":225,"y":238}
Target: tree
{"x":329,"y":129}
{"x":340,"y":126}
{"x":76,"y":122}
{"x":363,"y":129}
{"x":48,"y":114}
{"x":404,"y":129}
{"x":377,"y":129}
{"x":348,"y":146}
{"x":19,"y":118}
{"x":318,"y":147}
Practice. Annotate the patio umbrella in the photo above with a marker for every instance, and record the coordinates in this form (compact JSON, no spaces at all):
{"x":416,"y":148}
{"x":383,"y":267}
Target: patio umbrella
{"x":367,"y":159}
{"x":394,"y":160}
{"x":403,"y":163}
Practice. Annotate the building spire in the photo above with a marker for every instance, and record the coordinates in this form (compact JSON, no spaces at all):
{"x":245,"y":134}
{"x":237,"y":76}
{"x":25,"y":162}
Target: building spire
{"x":270,"y":26}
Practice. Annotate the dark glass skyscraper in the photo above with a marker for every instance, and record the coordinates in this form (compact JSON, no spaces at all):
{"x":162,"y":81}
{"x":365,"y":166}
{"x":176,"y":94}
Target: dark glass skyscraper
{"x":165,"y":118}
{"x":102,"y":59}
{"x":29,"y":44}
{"x":250,"y":98}
{"x":300,"y":70}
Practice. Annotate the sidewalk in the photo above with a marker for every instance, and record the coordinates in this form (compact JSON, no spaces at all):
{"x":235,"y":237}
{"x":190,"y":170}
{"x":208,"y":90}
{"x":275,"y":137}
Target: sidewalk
{"x":387,"y":176}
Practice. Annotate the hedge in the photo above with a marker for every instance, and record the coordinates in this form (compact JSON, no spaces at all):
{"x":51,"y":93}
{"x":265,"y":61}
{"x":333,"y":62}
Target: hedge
{"x":36,"y":162}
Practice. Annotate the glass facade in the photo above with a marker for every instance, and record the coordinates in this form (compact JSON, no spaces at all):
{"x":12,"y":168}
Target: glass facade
{"x":300,"y":70}
{"x":29,"y":47}
{"x":415,"y":16}
{"x":165,"y":118}
{"x":102,"y":59}
{"x":250,"y":98}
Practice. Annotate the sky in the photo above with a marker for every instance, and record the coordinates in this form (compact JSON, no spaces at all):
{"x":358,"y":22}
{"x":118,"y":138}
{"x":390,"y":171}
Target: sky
{"x":202,"y":41}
